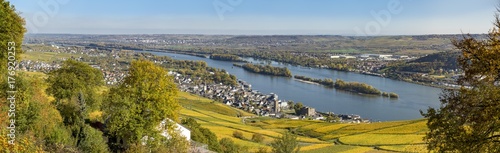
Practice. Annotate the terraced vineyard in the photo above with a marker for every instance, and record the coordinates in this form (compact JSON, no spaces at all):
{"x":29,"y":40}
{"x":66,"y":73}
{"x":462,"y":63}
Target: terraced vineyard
{"x":223,"y":121}
{"x":400,"y":136}
{"x":315,"y":136}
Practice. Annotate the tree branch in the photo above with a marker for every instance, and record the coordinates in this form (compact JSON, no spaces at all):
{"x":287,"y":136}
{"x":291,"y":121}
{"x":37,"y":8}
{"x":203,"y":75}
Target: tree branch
{"x":493,"y":137}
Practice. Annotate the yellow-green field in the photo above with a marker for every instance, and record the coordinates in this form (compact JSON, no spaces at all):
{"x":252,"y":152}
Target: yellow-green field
{"x":47,"y":56}
{"x":315,"y":136}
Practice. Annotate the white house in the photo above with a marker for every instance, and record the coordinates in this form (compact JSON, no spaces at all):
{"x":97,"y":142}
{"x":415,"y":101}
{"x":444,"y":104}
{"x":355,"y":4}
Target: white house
{"x":184,"y":132}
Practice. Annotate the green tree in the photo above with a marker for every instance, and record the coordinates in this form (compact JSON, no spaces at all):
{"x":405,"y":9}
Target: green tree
{"x":290,"y":104}
{"x":228,"y":146}
{"x":73,"y":78}
{"x":37,"y":118}
{"x":27,"y":110}
{"x":137,"y":148}
{"x":11,"y":34}
{"x":93,"y":141}
{"x":468,"y":119}
{"x":202,"y":135}
{"x":74,"y":87}
{"x":286,"y":143}
{"x":262,"y":150}
{"x":138,"y":105}
{"x":332,"y":118}
{"x":211,"y":140}
{"x":297,"y":107}
{"x":175,"y":144}
{"x":37,"y":121}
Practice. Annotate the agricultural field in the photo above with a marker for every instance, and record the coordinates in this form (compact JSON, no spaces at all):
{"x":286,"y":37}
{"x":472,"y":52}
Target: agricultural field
{"x":314,"y":136}
{"x":381,"y":139}
{"x":315,"y":126}
{"x":341,"y":149}
{"x":399,"y":136}
{"x":219,"y":119}
{"x":406,"y":148}
{"x":413,"y":128}
{"x":46,"y":56}
{"x":330,"y":128}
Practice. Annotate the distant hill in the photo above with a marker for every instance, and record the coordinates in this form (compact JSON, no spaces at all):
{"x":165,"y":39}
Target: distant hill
{"x":432,"y":62}
{"x":447,"y":60}
{"x":405,"y":44}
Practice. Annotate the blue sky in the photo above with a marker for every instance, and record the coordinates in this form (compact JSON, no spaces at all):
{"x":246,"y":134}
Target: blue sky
{"x":329,"y":17}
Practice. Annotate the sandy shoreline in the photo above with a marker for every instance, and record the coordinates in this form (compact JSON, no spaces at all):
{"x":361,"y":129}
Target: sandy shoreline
{"x":307,"y":81}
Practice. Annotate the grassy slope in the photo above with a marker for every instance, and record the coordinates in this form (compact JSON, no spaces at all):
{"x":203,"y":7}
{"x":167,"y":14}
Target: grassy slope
{"x":405,"y":136}
{"x":222,"y":120}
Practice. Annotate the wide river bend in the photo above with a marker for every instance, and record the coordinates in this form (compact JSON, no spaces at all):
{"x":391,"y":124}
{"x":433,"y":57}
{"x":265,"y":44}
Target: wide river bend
{"x":412,"y":97}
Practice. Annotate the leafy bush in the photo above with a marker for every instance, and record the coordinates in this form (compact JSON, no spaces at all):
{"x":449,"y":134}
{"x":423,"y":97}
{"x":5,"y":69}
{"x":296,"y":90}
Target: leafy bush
{"x":228,"y":146}
{"x":287,"y":143}
{"x":202,"y":135}
{"x":393,"y":95}
{"x":93,"y":141}
{"x":262,"y":150}
{"x":238,"y":134}
{"x":257,"y":137}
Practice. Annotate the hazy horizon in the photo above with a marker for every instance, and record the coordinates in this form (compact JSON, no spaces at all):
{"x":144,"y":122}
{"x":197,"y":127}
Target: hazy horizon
{"x":258,"y":17}
{"x":250,"y":34}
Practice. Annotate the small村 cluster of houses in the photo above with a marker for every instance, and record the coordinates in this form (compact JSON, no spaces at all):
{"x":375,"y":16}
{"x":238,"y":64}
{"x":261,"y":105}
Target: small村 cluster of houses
{"x":240,"y":96}
{"x":37,"y":66}
{"x":113,"y":77}
{"x":243,"y":97}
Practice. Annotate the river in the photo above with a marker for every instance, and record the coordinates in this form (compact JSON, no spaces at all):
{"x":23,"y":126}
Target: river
{"x":412,"y":97}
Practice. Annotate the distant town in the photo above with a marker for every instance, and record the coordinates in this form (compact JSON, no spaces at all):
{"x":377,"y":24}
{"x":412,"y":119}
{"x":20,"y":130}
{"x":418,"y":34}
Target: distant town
{"x":429,"y":60}
{"x":240,"y":96}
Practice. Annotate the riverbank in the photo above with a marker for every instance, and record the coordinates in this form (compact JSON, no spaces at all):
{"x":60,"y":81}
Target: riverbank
{"x":414,"y":97}
{"x":341,"y":70}
{"x":243,"y":97}
{"x":326,"y":82}
{"x":307,"y":81}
